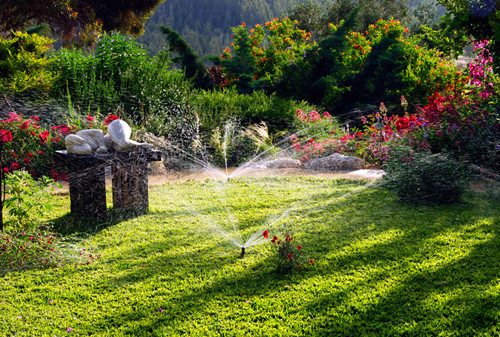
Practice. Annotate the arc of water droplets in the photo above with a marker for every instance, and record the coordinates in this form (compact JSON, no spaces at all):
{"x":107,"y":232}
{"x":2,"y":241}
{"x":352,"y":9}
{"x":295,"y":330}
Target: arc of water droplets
{"x":257,"y":238}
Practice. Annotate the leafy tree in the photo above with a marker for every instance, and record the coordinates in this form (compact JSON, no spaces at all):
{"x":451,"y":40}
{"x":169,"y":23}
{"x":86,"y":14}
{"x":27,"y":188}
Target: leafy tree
{"x":470,"y":19}
{"x":71,"y":18}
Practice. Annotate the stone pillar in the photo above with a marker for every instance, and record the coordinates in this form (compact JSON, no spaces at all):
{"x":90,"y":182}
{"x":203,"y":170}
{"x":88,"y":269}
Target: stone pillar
{"x":130,"y":179}
{"x":130,"y":186}
{"x":87,"y":183}
{"x":87,"y":190}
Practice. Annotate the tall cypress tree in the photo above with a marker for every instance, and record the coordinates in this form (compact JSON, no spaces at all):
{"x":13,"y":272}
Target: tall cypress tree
{"x":190,"y":61}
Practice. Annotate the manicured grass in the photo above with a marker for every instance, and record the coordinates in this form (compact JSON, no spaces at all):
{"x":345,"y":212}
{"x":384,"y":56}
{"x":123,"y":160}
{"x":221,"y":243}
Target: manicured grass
{"x":381,"y":268}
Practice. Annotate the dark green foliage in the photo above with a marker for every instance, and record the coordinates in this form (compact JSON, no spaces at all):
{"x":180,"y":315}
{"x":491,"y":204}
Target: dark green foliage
{"x":327,"y":69}
{"x":380,"y":80}
{"x":242,"y":64}
{"x":425,"y":178}
{"x":189,"y":60}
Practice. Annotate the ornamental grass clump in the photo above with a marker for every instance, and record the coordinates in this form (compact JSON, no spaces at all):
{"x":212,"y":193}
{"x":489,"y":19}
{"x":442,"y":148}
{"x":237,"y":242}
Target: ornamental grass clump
{"x":291,"y":257}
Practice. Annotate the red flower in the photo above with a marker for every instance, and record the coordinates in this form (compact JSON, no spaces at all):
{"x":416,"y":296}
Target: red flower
{"x":90,"y":118}
{"x":15,"y":166}
{"x":289,"y":256}
{"x":5,"y":137}
{"x":266,"y":234}
{"x":299,"y":247}
{"x":110,"y":118}
{"x":43,"y":136}
{"x":311,"y":261}
{"x":25,"y":125}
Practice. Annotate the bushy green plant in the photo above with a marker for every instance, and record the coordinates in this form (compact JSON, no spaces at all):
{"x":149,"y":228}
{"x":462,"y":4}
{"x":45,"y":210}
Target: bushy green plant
{"x":214,"y":108}
{"x":424,"y":178}
{"x":24,"y":65}
{"x":229,"y":146}
{"x":119,"y":74}
{"x":26,"y":198}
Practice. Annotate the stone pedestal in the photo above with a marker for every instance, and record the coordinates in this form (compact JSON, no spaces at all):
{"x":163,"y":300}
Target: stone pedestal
{"x":87,"y":184}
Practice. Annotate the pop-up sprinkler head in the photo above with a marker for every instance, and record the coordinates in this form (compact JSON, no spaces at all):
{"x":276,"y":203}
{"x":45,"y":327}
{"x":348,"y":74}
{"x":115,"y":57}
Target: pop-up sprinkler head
{"x":242,"y":251}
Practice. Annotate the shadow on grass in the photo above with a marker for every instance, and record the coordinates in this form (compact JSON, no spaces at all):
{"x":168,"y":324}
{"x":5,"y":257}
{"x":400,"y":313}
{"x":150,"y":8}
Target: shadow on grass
{"x":69,"y":224}
{"x":430,"y":278}
{"x":385,"y":264}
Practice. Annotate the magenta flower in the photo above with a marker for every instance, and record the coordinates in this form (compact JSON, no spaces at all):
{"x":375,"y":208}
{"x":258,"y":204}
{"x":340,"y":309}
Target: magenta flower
{"x":69,"y":329}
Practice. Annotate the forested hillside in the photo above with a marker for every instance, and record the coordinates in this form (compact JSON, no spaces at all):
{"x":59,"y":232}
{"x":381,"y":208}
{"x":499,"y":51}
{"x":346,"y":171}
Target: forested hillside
{"x":206,"y":24}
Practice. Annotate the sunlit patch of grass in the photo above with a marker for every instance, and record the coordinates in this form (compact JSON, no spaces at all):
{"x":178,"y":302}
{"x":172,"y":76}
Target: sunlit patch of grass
{"x":381,"y":268}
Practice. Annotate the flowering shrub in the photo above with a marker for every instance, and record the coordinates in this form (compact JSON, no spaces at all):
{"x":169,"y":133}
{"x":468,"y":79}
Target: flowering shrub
{"x":266,"y":54}
{"x":322,"y":136}
{"x":461,"y":120}
{"x":290,"y":255}
{"x":31,"y":147}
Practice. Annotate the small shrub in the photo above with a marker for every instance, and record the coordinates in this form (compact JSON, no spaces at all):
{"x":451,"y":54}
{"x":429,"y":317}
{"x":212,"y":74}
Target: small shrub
{"x":290,"y":257}
{"x":424,"y":178}
{"x":24,"y":65}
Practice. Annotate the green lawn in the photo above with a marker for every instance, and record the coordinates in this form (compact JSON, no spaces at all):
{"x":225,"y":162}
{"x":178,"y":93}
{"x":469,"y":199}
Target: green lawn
{"x":381,"y":268}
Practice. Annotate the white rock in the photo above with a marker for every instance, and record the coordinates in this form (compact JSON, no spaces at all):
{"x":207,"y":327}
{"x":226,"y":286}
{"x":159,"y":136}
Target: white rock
{"x":94,"y":138}
{"x":77,"y":145}
{"x":119,"y":133}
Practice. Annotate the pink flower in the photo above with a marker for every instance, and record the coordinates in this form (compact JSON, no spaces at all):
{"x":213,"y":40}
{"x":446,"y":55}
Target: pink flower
{"x":69,"y":329}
